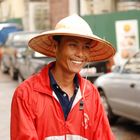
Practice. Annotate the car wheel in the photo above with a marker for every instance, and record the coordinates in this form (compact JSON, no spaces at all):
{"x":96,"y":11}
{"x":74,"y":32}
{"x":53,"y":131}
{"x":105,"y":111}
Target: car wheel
{"x":4,"y":69}
{"x":20,"y":79}
{"x":111,"y":117}
{"x":13,"y":73}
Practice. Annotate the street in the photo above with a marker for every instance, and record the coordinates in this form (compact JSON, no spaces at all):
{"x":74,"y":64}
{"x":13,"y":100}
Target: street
{"x":123,"y":129}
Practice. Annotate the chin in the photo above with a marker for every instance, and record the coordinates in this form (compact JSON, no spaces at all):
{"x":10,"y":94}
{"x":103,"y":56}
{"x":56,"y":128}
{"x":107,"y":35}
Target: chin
{"x":75,"y":70}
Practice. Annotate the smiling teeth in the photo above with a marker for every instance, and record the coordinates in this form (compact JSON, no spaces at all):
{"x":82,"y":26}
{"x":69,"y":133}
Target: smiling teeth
{"x":77,"y":62}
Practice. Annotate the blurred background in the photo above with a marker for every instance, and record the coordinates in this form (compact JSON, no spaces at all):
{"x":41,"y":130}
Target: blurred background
{"x":117,"y":79}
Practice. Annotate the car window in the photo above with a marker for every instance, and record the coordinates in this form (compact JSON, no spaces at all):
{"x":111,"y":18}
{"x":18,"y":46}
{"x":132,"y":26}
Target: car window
{"x":9,"y":40}
{"x":133,"y":65}
{"x":22,"y":39}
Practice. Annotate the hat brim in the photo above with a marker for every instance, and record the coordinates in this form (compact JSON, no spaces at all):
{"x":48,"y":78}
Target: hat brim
{"x":44,"y":43}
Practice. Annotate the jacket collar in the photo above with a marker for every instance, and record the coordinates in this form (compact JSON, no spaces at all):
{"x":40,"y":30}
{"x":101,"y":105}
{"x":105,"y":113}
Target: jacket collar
{"x":42,"y":81}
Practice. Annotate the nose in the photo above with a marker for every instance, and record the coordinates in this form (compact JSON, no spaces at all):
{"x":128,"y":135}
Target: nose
{"x":80,"y":51}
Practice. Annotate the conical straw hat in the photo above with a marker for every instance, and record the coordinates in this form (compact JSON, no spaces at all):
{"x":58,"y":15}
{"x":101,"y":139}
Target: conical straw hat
{"x":72,"y":25}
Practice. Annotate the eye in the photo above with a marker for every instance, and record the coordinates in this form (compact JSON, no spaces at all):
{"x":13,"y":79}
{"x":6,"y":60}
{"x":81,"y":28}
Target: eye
{"x":87,"y":46}
{"x":72,"y":44}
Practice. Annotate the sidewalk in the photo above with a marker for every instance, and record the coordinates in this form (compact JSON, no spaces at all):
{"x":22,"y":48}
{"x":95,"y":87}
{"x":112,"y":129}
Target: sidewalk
{"x":7,"y":87}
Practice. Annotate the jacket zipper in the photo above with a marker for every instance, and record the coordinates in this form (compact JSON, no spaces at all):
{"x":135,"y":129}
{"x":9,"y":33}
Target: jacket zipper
{"x":62,"y":115}
{"x":68,"y":114}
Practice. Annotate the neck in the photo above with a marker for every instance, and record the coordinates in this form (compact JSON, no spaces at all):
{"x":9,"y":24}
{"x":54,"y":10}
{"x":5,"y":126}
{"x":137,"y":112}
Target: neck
{"x":63,"y":79}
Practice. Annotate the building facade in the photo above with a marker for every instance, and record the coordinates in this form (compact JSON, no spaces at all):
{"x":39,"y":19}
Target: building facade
{"x":44,"y":14}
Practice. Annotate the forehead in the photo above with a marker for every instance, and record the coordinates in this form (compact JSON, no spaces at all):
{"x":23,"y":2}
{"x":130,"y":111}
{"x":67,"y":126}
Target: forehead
{"x":76,"y":39}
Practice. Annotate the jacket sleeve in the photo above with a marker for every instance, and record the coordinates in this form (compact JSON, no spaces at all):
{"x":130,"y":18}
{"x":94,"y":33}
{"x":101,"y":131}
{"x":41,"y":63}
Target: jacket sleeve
{"x":22,"y":122}
{"x":102,"y":127}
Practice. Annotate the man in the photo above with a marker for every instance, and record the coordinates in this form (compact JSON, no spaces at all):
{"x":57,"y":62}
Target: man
{"x":57,"y":103}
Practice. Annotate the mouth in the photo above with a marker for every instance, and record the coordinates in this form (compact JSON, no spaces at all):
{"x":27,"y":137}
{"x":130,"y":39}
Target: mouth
{"x":77,"y":61}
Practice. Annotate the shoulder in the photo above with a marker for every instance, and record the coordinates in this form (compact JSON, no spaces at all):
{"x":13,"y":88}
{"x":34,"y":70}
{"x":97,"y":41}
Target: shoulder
{"x":25,"y":89}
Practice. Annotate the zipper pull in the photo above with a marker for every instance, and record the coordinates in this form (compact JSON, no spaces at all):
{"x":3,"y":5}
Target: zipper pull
{"x":81,"y":105}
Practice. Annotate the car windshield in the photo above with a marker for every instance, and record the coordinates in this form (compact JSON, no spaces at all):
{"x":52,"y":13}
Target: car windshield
{"x":132,"y":66}
{"x":19,"y":40}
{"x":116,"y":68}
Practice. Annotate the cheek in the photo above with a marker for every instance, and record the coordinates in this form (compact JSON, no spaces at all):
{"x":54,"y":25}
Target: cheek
{"x":58,"y":52}
{"x":68,"y":52}
{"x":86,"y":53}
{"x":61,"y":55}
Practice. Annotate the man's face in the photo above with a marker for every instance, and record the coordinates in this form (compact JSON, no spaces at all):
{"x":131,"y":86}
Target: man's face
{"x":72,"y":53}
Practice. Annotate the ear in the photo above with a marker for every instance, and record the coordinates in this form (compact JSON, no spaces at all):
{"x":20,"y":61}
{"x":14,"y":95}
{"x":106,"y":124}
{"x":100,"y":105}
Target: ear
{"x":55,"y":46}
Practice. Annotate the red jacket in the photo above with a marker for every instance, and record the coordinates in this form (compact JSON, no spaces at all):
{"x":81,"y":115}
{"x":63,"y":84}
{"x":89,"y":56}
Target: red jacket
{"x":36,"y":113}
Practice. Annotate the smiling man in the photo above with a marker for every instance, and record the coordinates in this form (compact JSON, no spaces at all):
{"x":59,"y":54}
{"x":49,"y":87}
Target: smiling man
{"x":57,"y":103}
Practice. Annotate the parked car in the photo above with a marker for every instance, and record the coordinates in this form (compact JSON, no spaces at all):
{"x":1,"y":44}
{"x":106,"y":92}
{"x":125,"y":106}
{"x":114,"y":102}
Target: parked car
{"x":30,"y":63}
{"x":15,"y":44}
{"x":120,"y":90}
{"x":95,"y":69}
{"x":6,"y":28}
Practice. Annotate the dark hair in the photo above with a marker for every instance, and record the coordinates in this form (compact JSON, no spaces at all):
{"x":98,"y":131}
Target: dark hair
{"x":57,"y":38}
